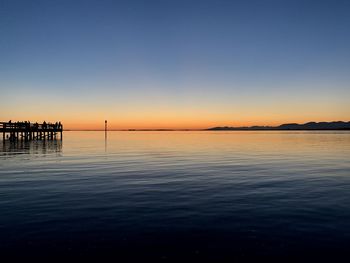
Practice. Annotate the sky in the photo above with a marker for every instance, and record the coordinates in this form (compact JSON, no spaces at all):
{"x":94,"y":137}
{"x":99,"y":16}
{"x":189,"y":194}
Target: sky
{"x":174,"y":64}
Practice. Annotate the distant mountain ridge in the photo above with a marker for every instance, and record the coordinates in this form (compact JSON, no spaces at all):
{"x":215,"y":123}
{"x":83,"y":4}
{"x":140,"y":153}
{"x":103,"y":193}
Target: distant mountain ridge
{"x":335,"y":125}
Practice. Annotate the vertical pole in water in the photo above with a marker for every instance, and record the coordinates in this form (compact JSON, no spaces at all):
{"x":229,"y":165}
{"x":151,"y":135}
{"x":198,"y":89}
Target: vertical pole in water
{"x":105,"y":135}
{"x":105,"y":129}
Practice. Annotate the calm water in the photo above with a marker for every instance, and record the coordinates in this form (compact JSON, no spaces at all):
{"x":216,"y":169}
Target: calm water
{"x":177,"y":195}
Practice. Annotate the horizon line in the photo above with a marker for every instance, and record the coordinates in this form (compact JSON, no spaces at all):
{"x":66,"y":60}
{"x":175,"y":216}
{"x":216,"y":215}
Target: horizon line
{"x":206,"y":129}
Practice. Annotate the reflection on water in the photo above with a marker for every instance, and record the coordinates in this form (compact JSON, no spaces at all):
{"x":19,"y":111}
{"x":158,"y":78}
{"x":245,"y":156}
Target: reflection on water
{"x":214,"y":196}
{"x":9,"y":148}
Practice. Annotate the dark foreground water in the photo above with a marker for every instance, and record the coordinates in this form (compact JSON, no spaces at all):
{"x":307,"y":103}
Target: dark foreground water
{"x":214,"y":196}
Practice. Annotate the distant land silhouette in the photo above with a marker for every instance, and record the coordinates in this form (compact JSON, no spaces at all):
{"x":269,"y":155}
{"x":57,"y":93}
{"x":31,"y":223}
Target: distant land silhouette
{"x":335,"y":125}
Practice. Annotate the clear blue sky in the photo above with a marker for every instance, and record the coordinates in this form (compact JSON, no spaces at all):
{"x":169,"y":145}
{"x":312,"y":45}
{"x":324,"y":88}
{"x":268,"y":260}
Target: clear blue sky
{"x":175,"y":63}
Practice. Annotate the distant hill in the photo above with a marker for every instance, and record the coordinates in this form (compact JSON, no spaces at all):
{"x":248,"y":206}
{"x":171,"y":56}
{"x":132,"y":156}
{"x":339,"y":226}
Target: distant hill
{"x":335,"y":125}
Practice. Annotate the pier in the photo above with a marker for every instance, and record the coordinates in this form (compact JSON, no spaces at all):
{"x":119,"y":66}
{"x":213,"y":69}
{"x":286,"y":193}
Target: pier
{"x":26,"y":130}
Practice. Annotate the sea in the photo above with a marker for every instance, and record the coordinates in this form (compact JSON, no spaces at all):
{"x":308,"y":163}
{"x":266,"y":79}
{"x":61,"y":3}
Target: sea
{"x":161,"y":196}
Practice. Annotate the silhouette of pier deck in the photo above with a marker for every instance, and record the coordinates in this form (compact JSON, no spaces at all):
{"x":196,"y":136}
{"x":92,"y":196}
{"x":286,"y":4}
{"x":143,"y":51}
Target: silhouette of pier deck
{"x":31,"y":131}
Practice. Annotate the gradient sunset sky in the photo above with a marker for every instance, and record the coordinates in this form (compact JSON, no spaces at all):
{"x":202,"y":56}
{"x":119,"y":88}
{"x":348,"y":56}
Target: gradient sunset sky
{"x":174,"y":64}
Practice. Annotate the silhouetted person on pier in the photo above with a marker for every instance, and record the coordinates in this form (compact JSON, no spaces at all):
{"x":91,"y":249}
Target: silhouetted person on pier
{"x":44,"y":125}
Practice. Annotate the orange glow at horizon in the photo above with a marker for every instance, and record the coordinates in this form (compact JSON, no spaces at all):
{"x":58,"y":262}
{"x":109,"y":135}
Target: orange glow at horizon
{"x":163,"y":113}
{"x":170,"y":122}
